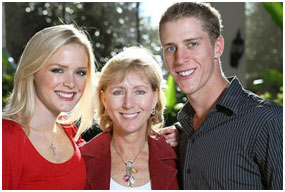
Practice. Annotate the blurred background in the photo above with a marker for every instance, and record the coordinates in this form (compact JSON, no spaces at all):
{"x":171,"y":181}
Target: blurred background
{"x":253,"y":35}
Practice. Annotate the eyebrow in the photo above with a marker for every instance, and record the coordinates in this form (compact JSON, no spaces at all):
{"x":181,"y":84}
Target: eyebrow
{"x":192,"y":39}
{"x":184,"y":41}
{"x":121,"y":87}
{"x":65,"y":66}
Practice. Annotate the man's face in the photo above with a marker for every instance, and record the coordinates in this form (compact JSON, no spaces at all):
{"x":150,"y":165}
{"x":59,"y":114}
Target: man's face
{"x":189,"y":54}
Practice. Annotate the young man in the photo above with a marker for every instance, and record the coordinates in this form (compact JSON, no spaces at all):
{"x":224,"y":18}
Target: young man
{"x":230,"y":138}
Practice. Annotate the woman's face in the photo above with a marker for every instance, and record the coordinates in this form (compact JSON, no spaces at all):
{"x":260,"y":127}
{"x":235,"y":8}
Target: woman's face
{"x":129,"y":103}
{"x":61,"y":82}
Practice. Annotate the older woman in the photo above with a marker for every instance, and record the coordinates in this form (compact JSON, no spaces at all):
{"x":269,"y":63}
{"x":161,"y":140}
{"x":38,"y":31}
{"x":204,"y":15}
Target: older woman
{"x":54,"y":75}
{"x":129,"y":154}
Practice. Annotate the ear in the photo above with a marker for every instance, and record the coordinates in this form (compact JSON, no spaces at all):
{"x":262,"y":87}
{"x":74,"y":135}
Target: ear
{"x":155,"y":99}
{"x":103,"y":98}
{"x":219,"y":47}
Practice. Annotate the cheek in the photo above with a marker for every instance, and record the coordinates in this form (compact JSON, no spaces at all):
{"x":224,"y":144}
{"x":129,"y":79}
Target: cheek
{"x":169,"y":61}
{"x":146,"y":103}
{"x":46,"y":81}
{"x":81,"y":84}
{"x":113,"y":103}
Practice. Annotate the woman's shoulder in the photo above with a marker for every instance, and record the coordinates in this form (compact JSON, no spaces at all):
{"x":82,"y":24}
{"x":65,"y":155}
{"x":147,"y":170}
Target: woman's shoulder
{"x":11,"y":127}
{"x":13,"y":137}
{"x":100,"y":140}
{"x":159,"y":147}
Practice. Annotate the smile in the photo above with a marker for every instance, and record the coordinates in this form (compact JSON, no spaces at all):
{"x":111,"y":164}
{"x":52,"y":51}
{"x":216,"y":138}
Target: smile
{"x":129,"y":115}
{"x":65,"y":95}
{"x":186,"y":73}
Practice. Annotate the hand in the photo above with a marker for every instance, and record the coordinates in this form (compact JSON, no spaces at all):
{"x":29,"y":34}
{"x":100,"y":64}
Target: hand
{"x":171,"y":135}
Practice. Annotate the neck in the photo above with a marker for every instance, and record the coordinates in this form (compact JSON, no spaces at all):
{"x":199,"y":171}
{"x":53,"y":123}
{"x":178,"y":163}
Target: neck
{"x":43,"y":119}
{"x":128,"y":145}
{"x":203,"y":100}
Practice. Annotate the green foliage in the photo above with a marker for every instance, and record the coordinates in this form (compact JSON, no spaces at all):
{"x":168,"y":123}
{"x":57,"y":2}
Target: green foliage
{"x":175,"y":100}
{"x":271,"y":86}
{"x":265,"y":55}
{"x":278,"y":98}
{"x":8,"y":77}
{"x":7,"y":86}
{"x":275,"y":9}
{"x":170,"y":94}
{"x":272,"y":80}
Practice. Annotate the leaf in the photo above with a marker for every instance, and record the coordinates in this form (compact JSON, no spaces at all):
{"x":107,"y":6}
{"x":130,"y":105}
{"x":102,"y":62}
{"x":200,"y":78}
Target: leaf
{"x":275,"y":9}
{"x":170,"y":94}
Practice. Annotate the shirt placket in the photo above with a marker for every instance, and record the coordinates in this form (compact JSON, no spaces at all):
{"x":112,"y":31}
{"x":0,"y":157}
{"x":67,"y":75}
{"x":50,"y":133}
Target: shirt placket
{"x":189,"y":184}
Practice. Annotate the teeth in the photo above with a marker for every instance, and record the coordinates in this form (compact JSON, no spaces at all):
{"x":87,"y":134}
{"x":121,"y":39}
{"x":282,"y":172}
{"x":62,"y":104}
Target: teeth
{"x":130,"y":115}
{"x":67,"y":95}
{"x":186,"y":73}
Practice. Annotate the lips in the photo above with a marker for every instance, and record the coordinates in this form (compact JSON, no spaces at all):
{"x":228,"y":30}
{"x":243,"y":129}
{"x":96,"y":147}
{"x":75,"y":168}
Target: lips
{"x":65,"y":95}
{"x":130,"y":115}
{"x":186,"y":73}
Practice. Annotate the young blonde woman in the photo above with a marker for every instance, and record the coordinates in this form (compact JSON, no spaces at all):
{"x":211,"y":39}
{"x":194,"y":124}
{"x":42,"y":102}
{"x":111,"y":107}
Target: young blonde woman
{"x":54,"y":75}
{"x":129,"y":154}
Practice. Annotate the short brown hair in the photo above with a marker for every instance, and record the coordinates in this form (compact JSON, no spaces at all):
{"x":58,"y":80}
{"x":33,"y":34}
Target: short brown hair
{"x":209,"y":16}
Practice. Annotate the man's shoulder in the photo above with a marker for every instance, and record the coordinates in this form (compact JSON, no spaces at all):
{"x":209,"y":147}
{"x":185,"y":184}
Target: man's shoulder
{"x":259,"y":104}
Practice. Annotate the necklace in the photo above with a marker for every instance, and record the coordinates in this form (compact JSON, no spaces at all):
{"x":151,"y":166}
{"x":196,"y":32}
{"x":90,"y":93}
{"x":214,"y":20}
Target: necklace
{"x":128,"y":177}
{"x":52,"y":145}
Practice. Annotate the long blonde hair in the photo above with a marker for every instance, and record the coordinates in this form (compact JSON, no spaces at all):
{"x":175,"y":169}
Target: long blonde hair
{"x":39,"y":49}
{"x":142,"y":62}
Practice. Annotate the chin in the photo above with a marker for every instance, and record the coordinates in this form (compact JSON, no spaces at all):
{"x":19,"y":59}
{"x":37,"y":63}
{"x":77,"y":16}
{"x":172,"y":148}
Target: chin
{"x":66,"y":108}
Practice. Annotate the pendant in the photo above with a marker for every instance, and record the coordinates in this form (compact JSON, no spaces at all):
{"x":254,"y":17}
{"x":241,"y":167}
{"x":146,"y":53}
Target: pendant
{"x":131,"y":181}
{"x":134,"y":170}
{"x":129,"y":178}
{"x":53,"y":148}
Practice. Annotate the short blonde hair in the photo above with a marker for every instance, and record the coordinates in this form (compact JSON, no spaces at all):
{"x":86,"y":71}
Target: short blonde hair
{"x":143,"y":63}
{"x":39,"y":49}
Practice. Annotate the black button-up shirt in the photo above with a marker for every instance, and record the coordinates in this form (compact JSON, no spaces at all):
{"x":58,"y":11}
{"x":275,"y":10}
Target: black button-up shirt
{"x":238,"y":146}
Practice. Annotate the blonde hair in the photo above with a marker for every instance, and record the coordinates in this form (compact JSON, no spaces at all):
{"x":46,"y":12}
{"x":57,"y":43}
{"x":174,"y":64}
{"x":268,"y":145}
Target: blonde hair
{"x":143,"y":63}
{"x":39,"y":49}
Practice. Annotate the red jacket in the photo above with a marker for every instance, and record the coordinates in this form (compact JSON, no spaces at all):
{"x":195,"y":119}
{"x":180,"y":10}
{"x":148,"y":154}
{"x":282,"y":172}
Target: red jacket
{"x":162,"y":163}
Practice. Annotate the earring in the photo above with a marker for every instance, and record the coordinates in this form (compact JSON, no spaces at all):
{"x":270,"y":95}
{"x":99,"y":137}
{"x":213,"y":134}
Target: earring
{"x":152,"y":111}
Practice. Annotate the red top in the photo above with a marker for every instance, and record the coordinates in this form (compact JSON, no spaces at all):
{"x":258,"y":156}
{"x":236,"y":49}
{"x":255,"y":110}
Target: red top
{"x":24,"y":168}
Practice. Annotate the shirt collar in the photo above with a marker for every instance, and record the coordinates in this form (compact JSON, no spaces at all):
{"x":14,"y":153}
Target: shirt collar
{"x":230,"y":99}
{"x":228,"y":102}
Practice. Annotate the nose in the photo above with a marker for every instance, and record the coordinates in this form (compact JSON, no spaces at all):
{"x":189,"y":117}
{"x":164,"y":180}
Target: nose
{"x":181,"y":56}
{"x":128,"y":101}
{"x":69,"y":81}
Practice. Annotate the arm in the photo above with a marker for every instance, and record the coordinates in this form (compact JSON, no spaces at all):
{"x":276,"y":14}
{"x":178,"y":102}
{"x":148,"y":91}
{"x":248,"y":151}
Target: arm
{"x":12,"y":156}
{"x":269,"y":153}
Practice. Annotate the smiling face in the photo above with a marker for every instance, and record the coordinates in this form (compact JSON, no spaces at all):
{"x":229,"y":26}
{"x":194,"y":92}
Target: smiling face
{"x":189,"y":55}
{"x":129,"y":103}
{"x":61,"y":82}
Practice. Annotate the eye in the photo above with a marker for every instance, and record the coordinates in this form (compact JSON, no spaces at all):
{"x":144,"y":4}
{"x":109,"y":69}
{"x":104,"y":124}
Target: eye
{"x":170,"y":48}
{"x":140,"y":92}
{"x":57,"y":70}
{"x":118,"y":92}
{"x":192,"y":44}
{"x":81,"y":73}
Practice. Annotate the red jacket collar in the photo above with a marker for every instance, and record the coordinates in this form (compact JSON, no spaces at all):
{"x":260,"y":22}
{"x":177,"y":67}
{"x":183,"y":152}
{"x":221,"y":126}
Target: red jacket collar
{"x":97,"y":157}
